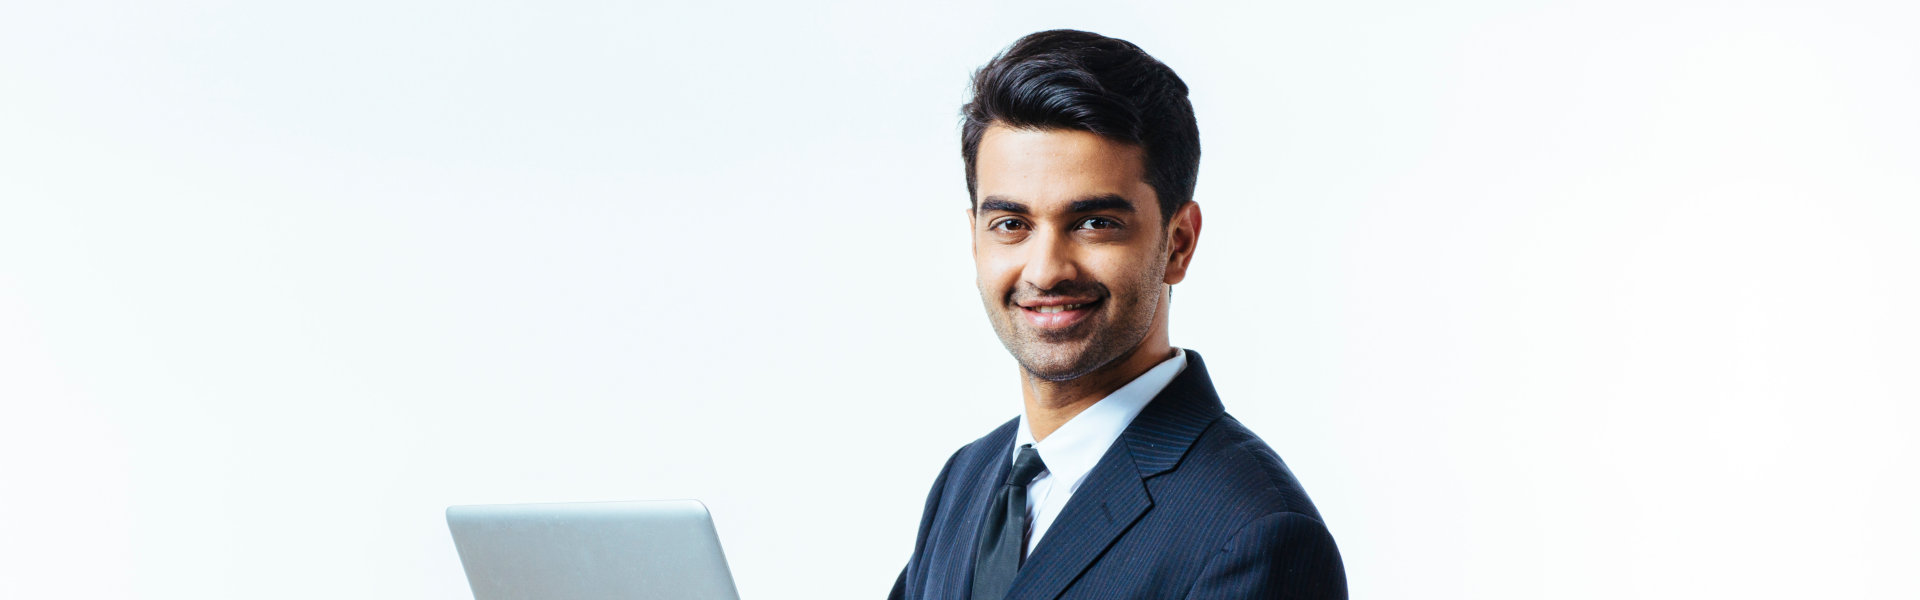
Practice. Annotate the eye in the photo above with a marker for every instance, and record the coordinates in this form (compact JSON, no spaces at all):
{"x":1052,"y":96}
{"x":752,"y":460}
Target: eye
{"x":1008,"y":225}
{"x":1099,"y":223}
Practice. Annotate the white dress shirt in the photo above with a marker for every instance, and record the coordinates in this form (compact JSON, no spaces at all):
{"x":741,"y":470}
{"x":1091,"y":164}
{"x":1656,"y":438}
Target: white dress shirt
{"x":1071,"y":451}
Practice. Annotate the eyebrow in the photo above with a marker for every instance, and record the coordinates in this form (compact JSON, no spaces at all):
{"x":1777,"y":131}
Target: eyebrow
{"x":997,"y":203}
{"x":1108,"y":202}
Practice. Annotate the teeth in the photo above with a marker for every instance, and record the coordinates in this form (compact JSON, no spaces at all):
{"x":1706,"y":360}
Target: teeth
{"x":1054,"y":309}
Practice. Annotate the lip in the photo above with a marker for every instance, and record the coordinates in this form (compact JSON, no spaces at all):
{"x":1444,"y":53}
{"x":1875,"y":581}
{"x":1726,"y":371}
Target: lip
{"x":1065,"y":318}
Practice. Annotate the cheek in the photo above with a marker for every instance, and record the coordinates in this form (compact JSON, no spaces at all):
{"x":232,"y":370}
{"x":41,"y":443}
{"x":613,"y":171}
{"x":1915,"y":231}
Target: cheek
{"x":995,"y":272}
{"x":1127,"y":273}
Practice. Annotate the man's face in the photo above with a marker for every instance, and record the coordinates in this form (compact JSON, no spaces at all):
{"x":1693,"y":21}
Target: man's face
{"x":1068,"y":247}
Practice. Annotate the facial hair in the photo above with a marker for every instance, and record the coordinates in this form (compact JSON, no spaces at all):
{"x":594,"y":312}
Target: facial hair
{"x":1124,"y":319}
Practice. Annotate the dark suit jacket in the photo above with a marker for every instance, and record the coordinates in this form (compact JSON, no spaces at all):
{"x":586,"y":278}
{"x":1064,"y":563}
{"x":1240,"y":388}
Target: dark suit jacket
{"x":1186,"y":504}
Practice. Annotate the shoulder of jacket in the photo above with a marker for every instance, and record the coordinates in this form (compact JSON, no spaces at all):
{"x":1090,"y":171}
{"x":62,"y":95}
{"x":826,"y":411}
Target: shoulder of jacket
{"x":1242,"y":469}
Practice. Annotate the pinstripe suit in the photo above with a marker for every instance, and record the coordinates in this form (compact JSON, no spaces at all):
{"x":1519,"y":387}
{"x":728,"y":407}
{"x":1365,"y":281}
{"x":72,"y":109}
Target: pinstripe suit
{"x":1187,"y":504}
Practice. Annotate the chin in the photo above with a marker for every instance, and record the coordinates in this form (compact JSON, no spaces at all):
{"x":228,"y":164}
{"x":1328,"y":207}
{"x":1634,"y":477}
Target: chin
{"x":1060,"y":365}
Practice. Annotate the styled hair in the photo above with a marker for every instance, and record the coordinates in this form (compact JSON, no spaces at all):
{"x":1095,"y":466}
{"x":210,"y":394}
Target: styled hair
{"x":1077,"y":80}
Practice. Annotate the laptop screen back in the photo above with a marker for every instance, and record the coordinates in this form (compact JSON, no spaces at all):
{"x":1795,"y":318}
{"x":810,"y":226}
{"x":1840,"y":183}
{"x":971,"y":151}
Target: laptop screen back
{"x":591,"y":551}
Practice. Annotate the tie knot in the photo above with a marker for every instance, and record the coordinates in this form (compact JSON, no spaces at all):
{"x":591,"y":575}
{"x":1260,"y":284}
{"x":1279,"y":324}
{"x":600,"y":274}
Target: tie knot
{"x":1026,"y":466}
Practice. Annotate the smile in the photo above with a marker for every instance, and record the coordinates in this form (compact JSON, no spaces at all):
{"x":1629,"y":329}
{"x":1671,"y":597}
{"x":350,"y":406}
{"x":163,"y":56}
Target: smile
{"x":1058,"y":316}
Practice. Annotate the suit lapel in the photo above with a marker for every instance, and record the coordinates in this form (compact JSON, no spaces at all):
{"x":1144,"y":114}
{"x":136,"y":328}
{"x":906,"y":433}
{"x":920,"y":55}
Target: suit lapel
{"x":1173,"y":420}
{"x":977,"y":498}
{"x":1110,"y":500}
{"x":1114,"y":494}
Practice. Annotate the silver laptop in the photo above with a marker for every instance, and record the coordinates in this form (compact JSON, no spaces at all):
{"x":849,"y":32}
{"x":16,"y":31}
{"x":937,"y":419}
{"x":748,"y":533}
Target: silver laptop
{"x":591,"y":551}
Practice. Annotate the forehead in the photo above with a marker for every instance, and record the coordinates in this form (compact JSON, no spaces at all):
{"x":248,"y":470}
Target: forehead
{"x":1048,"y":167}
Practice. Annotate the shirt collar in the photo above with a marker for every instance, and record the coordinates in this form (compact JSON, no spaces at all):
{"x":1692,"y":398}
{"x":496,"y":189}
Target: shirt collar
{"x":1073,"y":449}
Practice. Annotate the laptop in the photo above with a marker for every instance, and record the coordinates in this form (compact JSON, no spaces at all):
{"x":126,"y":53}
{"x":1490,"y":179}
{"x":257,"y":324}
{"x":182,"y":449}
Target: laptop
{"x":591,"y":551}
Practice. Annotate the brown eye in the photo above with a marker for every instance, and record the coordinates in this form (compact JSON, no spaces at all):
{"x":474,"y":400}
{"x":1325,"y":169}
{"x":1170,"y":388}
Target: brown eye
{"x":1099,"y":223}
{"x":1009,"y":225}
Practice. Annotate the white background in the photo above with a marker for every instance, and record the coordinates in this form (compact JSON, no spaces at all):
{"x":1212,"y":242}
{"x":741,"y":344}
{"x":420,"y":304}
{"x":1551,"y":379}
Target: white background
{"x":1579,"y":300}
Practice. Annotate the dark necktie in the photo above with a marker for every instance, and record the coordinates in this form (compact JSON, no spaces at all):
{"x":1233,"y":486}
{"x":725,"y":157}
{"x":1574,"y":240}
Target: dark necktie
{"x":1003,"y":536}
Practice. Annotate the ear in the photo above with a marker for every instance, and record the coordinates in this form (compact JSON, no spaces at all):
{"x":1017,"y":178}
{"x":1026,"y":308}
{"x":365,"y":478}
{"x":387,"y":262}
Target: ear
{"x":1183,"y":235}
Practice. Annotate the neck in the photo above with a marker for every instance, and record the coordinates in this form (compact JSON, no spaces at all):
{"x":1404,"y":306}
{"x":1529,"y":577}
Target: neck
{"x":1050,"y":404}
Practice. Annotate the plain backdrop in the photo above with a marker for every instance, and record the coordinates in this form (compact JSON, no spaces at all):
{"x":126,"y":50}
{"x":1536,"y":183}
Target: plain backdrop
{"x":1539,"y":300}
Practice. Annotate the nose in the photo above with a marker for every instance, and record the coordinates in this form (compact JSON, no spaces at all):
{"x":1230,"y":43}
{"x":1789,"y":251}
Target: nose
{"x":1051,"y":261}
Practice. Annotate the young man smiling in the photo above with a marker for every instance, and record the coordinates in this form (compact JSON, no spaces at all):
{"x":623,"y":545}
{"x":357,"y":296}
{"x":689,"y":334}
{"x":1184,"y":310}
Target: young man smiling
{"x":1123,"y":477}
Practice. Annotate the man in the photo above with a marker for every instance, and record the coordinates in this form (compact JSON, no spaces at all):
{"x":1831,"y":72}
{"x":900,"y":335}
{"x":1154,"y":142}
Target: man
{"x":1123,"y":477}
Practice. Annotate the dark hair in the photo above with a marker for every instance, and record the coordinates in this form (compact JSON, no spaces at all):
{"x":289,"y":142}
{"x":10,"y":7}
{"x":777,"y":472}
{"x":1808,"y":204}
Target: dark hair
{"x":1067,"y":79}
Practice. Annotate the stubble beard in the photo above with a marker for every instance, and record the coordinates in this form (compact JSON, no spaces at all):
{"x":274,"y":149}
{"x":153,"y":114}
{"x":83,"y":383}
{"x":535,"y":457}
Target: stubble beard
{"x":1054,"y":357}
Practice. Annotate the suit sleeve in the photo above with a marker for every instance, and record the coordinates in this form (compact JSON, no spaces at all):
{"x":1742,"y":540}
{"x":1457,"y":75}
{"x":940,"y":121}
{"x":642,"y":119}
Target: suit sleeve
{"x":1284,"y":555}
{"x":926,"y":524}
